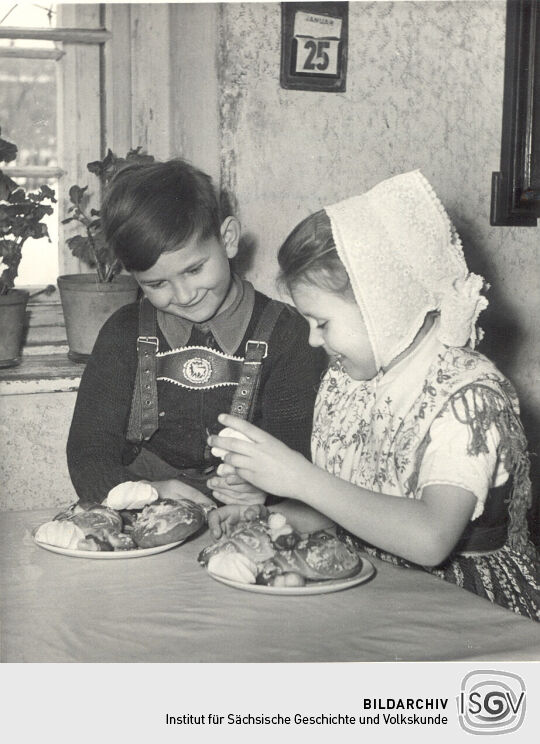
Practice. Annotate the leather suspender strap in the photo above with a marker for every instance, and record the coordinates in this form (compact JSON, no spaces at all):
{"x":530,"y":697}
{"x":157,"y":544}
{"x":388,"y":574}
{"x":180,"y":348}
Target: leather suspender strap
{"x":245,"y":395}
{"x":143,"y":419}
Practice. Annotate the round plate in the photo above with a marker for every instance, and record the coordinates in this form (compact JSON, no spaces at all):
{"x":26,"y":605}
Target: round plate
{"x":108,"y":554}
{"x":313,"y":587}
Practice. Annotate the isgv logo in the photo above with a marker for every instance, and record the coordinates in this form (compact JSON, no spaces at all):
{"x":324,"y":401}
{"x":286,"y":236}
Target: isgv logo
{"x":491,"y":702}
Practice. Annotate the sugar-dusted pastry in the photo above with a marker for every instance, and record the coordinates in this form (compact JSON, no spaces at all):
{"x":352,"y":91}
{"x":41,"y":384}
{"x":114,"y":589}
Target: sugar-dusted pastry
{"x":234,"y":566}
{"x":62,"y":534}
{"x":131,"y":495}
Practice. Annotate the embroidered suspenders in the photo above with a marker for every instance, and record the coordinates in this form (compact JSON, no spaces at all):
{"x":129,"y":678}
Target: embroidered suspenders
{"x":195,"y":367}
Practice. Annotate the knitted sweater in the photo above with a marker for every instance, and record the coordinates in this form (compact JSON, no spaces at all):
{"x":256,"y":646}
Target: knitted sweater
{"x":97,"y":450}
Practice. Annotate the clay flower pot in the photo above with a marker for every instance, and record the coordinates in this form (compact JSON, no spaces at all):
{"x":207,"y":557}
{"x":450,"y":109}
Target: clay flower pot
{"x":87,"y":304}
{"x":12,"y":326}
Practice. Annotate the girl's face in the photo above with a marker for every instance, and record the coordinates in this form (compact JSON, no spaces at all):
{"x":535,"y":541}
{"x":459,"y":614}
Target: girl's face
{"x":336,"y":324}
{"x":192,"y":282}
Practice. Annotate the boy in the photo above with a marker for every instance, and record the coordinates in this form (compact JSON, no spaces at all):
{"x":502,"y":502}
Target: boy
{"x":162,"y":370}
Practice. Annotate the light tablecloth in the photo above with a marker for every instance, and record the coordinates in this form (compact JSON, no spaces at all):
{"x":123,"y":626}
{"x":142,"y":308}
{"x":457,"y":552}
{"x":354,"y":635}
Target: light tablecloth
{"x":165,"y":608}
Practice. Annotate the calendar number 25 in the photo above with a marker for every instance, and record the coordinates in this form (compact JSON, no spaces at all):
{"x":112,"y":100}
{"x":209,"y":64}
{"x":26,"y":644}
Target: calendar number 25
{"x":316,"y":51}
{"x":317,"y":56}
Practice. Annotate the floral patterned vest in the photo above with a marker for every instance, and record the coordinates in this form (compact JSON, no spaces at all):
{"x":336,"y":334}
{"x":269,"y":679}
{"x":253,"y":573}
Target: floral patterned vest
{"x":375,"y":433}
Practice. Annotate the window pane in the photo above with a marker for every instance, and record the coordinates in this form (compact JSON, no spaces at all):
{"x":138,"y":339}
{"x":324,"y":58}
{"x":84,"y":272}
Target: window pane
{"x":39,"y":263}
{"x":28,"y":109}
{"x":28,"y":118}
{"x":29,"y":15}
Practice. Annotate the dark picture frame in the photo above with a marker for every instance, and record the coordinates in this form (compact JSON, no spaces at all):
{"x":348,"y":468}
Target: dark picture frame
{"x":515,"y":193}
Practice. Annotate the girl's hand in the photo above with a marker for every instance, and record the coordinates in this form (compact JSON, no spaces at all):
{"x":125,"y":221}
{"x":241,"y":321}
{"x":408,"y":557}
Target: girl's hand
{"x":230,"y":488}
{"x":264,"y":461}
{"x":222,"y":520}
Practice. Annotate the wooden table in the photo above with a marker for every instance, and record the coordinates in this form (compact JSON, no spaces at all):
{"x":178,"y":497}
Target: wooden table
{"x":165,"y":608}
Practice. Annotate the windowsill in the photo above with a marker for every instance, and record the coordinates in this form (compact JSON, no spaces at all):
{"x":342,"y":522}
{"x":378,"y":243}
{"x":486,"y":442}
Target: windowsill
{"x":41,"y":373}
{"x":45,"y":367}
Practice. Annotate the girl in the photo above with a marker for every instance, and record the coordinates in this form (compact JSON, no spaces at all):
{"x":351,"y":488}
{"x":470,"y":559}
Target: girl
{"x":419,"y":454}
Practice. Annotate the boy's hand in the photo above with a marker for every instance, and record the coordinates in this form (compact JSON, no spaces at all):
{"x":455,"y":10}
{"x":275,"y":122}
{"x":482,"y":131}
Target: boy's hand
{"x":264,"y":461}
{"x":176,"y":490}
{"x":222,"y":520}
{"x":230,"y":488}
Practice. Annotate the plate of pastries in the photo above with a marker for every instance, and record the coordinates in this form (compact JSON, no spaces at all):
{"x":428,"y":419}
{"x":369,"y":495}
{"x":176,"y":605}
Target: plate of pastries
{"x":103,"y":532}
{"x":268,"y":556}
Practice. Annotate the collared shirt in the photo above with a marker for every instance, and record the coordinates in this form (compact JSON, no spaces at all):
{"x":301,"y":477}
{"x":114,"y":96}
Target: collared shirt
{"x":228,"y":327}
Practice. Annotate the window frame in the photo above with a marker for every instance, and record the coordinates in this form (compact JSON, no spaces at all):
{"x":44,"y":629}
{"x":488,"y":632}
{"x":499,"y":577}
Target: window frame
{"x":515,"y":193}
{"x":79,"y":64}
{"x":79,"y":56}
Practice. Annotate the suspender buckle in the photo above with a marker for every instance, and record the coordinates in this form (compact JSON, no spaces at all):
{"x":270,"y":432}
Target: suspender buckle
{"x":258,"y":344}
{"x":148,"y":340}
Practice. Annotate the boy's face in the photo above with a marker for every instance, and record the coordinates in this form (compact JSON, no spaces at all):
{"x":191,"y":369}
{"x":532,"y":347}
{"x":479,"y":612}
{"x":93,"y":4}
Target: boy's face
{"x":193,"y":281}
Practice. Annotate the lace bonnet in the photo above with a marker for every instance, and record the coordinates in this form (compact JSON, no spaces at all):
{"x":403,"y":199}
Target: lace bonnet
{"x":404,"y":260}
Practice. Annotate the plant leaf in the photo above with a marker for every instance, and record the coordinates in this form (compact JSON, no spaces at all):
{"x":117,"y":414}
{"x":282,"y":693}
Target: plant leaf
{"x":82,"y":248}
{"x":95,"y":167}
{"x":21,"y":215}
{"x":76,"y":194}
{"x":8,"y":151}
{"x":47,"y":193}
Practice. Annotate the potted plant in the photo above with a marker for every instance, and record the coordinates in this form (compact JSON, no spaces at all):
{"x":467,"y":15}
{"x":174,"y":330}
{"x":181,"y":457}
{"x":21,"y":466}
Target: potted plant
{"x":21,"y":217}
{"x":89,"y":299}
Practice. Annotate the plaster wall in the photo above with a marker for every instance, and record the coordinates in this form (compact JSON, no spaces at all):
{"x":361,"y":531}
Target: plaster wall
{"x":33,"y":470}
{"x":194,"y":85}
{"x":424,"y":90}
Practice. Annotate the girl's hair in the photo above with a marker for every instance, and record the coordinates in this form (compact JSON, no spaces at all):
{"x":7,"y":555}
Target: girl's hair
{"x":309,"y":255}
{"x":154,"y":208}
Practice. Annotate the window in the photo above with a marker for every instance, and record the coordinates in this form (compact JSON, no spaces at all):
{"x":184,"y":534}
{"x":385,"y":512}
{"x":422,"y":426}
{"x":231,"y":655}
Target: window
{"x":51,"y":107}
{"x":28,"y":105}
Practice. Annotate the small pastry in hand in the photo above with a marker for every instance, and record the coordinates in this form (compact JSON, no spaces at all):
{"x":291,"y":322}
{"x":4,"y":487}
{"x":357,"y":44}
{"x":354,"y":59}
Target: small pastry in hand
{"x":233,"y":434}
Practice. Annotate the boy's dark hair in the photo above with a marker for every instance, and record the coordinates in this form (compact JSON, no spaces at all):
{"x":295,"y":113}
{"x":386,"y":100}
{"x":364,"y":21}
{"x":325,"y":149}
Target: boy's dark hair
{"x":309,"y":255}
{"x":154,"y":208}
